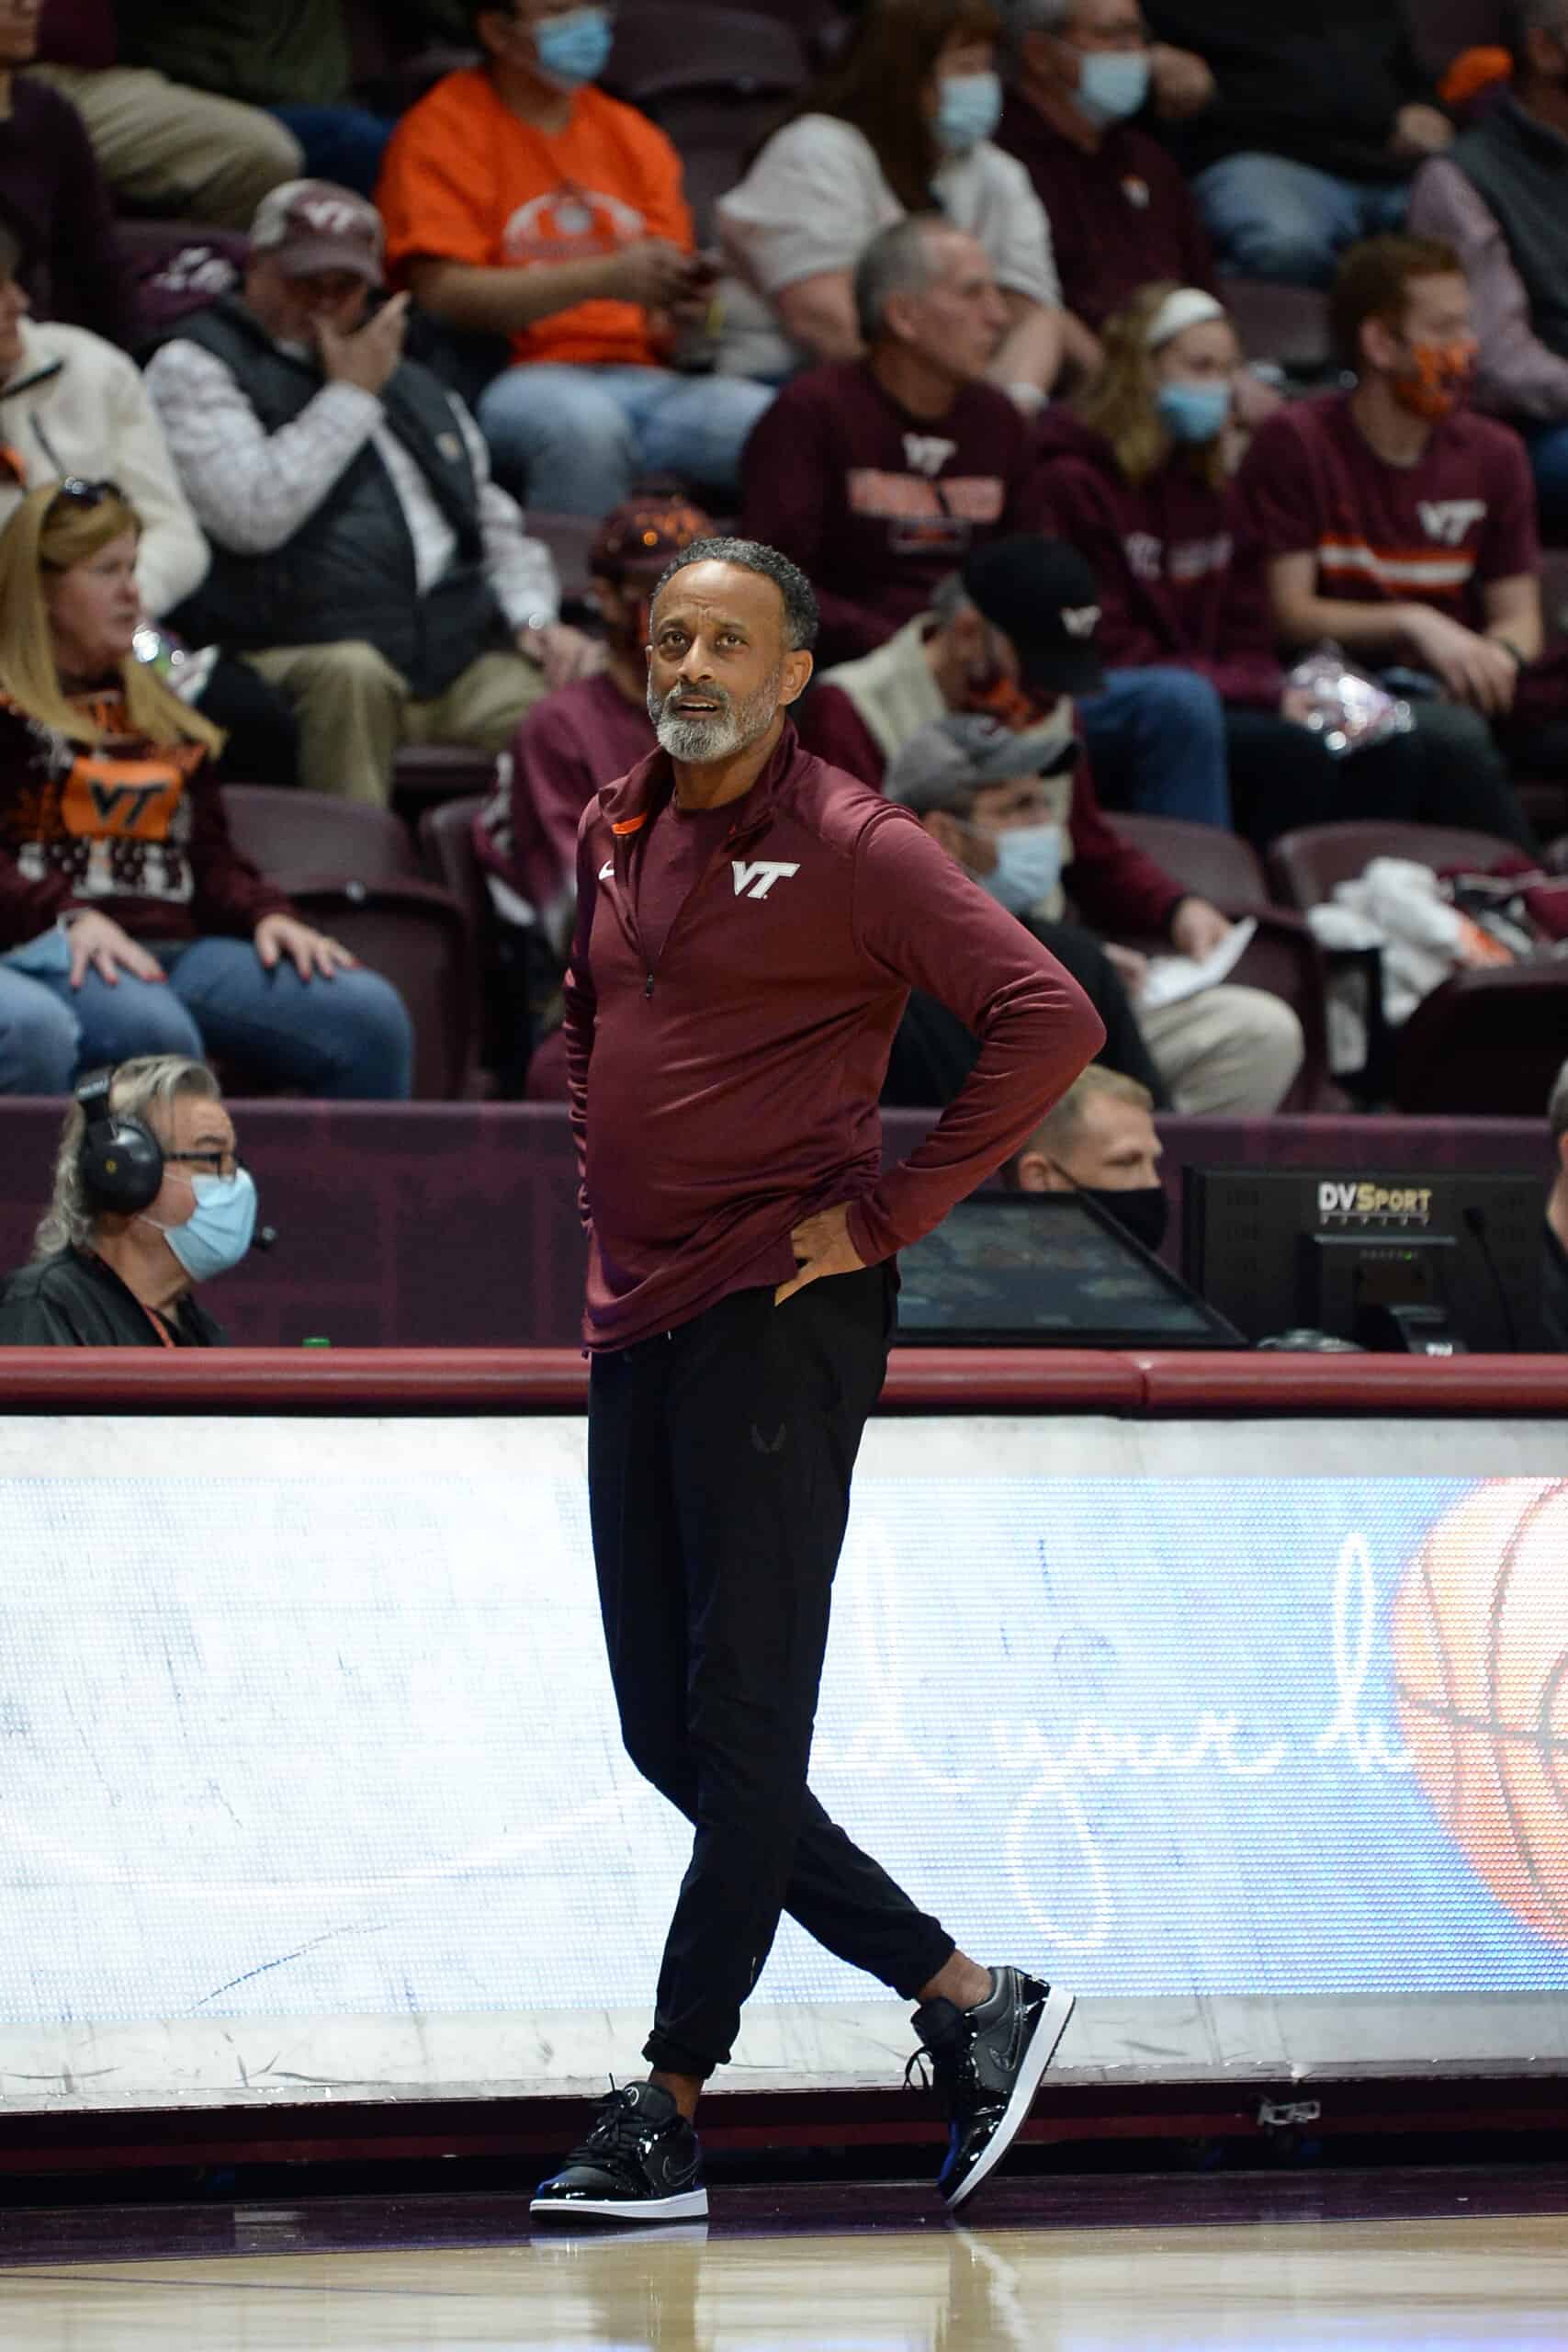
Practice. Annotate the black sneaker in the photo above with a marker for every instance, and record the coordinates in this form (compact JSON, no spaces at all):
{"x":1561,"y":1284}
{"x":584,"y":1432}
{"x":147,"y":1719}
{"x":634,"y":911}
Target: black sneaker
{"x":641,"y":2162}
{"x":987,"y":2062}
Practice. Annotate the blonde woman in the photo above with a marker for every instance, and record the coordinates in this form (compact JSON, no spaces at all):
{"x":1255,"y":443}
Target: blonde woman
{"x":1136,"y":476}
{"x":129,"y":922}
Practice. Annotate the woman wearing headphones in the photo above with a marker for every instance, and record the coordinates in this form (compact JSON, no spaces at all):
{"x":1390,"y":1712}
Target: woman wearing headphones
{"x":129,"y":922}
{"x":150,"y":1198}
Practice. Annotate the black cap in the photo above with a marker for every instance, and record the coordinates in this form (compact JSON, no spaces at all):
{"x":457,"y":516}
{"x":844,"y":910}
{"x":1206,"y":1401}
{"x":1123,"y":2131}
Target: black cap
{"x":1042,"y":595}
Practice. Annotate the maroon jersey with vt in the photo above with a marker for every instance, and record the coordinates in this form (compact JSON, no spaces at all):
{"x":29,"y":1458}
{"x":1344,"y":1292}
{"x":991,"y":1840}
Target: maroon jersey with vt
{"x":876,"y":505}
{"x":725,"y":1074}
{"x":1174,"y":585}
{"x":1435,"y":533}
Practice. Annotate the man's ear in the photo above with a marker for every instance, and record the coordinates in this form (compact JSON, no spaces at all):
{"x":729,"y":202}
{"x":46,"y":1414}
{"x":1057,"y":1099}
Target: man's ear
{"x":1379,"y":344}
{"x":1563,"y":1154}
{"x":1033,"y":1172}
{"x":795,"y":677}
{"x":947,"y":834}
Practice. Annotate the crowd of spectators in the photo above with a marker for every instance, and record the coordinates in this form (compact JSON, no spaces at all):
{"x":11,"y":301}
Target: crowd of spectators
{"x":960,"y":339}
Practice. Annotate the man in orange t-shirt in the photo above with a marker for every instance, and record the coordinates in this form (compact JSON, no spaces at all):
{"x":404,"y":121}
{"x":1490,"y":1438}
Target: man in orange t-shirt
{"x":520,"y":200}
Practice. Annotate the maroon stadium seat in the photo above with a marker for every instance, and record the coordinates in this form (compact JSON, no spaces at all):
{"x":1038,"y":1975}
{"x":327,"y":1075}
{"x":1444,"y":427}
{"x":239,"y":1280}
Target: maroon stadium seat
{"x":424,"y":774}
{"x":356,"y":872}
{"x":1305,"y":866}
{"x":736,"y":49}
{"x":1441,"y":31}
{"x":1486,"y":1044}
{"x":1283,"y":958}
{"x":446,"y":839}
{"x":716,"y":93}
{"x":1286,"y":324}
{"x":177,"y":266}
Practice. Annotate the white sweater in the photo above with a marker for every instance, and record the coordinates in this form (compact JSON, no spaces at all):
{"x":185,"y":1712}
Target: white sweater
{"x":74,"y":404}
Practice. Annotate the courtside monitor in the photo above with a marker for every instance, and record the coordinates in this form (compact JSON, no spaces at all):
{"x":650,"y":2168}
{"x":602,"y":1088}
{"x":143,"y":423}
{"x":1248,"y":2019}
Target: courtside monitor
{"x":1372,"y":1259}
{"x":1046,"y":1270}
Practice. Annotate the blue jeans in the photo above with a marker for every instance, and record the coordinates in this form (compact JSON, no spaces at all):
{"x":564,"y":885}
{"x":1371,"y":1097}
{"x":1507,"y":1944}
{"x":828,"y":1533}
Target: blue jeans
{"x":1157,"y":743}
{"x":1547,"y":447}
{"x":574,"y":440}
{"x":345,"y":145}
{"x":1270,"y":217}
{"x":347,"y":1038}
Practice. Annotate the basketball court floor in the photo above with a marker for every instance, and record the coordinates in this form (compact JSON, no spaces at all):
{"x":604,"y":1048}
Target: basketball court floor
{"x":1381,"y":2262}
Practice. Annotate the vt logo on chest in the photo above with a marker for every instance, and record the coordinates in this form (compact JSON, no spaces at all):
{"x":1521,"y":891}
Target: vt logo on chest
{"x":1449,"y":521}
{"x":755,"y":879}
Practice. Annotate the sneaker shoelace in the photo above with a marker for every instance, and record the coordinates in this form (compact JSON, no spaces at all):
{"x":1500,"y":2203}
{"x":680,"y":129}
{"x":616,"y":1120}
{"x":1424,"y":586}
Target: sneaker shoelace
{"x":947,"y":2070}
{"x":616,"y":2138}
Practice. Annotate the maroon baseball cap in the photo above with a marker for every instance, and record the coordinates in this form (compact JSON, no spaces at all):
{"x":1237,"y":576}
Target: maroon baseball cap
{"x":308,"y":225}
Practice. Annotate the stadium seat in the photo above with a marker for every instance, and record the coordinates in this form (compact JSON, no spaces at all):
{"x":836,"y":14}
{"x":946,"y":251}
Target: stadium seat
{"x":286,"y":832}
{"x":424,"y":774}
{"x":740,"y":51}
{"x":391,"y":72}
{"x":356,"y":872}
{"x":569,"y":539}
{"x":1441,"y":31}
{"x":1285,"y":325}
{"x":1485,"y":1045}
{"x":1283,"y":958}
{"x":446,"y":839}
{"x":1305,"y":866}
{"x":717,"y":96}
{"x":177,"y":266}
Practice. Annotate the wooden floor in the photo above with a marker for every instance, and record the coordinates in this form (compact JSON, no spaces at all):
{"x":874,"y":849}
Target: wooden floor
{"x":1450,"y":2283}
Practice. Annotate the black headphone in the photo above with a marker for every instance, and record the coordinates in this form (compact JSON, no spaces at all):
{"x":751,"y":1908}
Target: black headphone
{"x":121,"y":1159}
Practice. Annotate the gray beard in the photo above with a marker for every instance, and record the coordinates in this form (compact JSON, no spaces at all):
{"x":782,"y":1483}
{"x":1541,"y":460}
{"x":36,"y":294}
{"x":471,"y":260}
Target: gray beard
{"x":700,"y":743}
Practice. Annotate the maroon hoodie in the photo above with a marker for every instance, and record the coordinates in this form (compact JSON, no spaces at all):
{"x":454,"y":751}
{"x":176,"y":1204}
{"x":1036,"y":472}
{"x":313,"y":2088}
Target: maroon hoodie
{"x":731,"y":1090}
{"x":1176,"y":586}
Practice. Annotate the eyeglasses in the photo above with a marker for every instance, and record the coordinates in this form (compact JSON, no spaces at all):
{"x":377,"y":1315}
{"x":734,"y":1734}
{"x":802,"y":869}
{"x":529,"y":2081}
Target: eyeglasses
{"x":211,"y":1163}
{"x":75,"y":491}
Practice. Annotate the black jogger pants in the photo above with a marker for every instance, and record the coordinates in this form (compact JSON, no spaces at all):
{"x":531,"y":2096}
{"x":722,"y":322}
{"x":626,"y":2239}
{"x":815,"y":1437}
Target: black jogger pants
{"x":720,"y":1458}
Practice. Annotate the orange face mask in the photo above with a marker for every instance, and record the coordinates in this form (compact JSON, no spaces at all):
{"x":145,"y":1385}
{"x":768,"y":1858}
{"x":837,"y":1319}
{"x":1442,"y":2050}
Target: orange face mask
{"x":1438,"y":381}
{"x":1004,"y":701}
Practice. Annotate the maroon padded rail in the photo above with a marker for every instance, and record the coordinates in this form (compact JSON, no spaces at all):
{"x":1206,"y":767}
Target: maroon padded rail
{"x":238,"y":1381}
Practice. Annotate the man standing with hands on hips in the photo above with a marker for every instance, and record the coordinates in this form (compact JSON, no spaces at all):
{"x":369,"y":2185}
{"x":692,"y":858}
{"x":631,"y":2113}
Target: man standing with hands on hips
{"x":751,"y":921}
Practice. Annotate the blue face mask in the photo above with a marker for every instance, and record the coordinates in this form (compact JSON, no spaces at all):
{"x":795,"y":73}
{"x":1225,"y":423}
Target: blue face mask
{"x":1194,"y":412}
{"x":1112,"y":83}
{"x":574,"y":49}
{"x":215,"y":1236}
{"x":968,"y":108}
{"x":1028,"y":867}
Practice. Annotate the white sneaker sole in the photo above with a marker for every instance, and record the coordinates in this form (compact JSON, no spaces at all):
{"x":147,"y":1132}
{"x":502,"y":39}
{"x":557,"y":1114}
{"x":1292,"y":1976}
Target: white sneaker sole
{"x":1042,"y":2049}
{"x":690,"y":2205}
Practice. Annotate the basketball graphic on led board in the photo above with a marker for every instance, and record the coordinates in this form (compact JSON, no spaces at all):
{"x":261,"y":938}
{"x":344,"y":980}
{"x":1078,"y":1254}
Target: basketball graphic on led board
{"x":1480,"y":1639}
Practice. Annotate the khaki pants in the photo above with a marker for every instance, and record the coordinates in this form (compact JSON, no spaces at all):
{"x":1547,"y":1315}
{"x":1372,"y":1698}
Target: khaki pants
{"x":164,"y":148}
{"x":353,"y":710}
{"x":1229,"y":1051}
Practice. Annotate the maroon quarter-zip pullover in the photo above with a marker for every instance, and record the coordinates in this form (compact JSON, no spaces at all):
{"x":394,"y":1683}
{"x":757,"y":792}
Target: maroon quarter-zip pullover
{"x":725,"y":1087}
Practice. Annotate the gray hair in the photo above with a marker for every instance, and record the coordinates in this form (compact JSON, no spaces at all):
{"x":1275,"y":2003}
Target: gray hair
{"x":898,"y":261}
{"x":145,"y":1089}
{"x":799,"y":598}
{"x":1021,"y":17}
{"x":950,"y":597}
{"x":1557,"y":1109}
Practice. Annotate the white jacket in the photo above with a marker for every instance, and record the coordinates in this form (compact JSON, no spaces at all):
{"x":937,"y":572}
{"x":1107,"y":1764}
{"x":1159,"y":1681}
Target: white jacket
{"x":74,"y":404}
